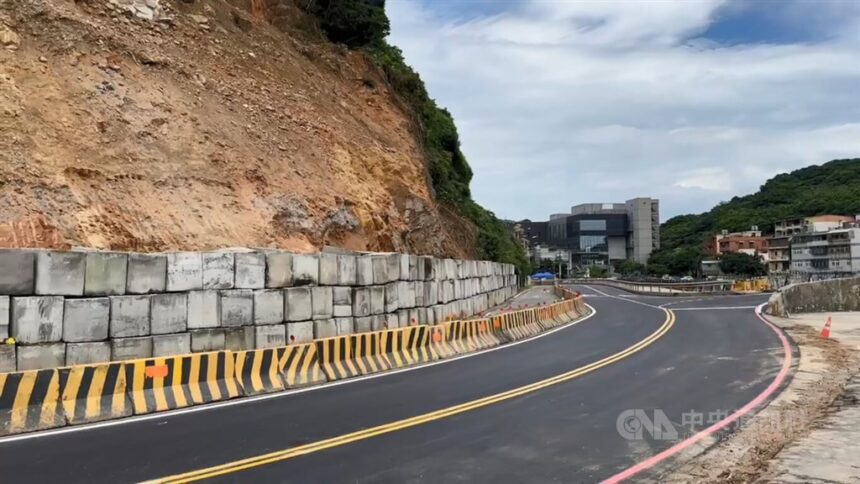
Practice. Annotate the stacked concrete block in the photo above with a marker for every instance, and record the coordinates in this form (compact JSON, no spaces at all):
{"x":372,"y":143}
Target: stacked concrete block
{"x":211,"y":339}
{"x":237,"y":307}
{"x":86,"y":319}
{"x":406,"y":294}
{"x":364,"y":270}
{"x":37,"y":357}
{"x":4,"y":318}
{"x":171,"y":344}
{"x":392,"y":303}
{"x":426,"y":268}
{"x":250,"y":270}
{"x":362,"y":325}
{"x":361,"y":301}
{"x":37,"y":319}
{"x":377,"y":299}
{"x":279,"y":269}
{"x":17,"y":272}
{"x":129,"y":316}
{"x":413,"y":268}
{"x":324,"y":328}
{"x":342,"y":302}
{"x":344,"y":326}
{"x":306,"y":269}
{"x":237,"y":339}
{"x":297,"y":304}
{"x":347,"y":270}
{"x":268,"y":306}
{"x":204,"y":309}
{"x":431,"y":293}
{"x":146,"y":273}
{"x":105,"y":273}
{"x":379,"y":322}
{"x":218,"y":270}
{"x":131,"y":348}
{"x":8,"y":358}
{"x":300,"y":331}
{"x":184,"y":271}
{"x":418,"y":288}
{"x":160,"y":304}
{"x":168,"y":313}
{"x":403,"y":267}
{"x":270,"y":336}
{"x":328,"y":271}
{"x":60,"y":273}
{"x":402,"y":316}
{"x":322,"y":302}
{"x":380,"y":269}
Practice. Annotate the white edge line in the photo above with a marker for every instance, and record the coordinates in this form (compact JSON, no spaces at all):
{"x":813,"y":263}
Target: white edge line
{"x":286,"y":393}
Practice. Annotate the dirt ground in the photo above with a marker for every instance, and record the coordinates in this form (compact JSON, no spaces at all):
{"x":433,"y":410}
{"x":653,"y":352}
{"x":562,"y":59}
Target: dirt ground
{"x":752,"y":453}
{"x":205,"y":127}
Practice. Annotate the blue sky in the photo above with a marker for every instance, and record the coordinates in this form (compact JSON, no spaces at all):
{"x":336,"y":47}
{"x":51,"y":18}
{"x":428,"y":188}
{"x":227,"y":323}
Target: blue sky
{"x":692,"y":102}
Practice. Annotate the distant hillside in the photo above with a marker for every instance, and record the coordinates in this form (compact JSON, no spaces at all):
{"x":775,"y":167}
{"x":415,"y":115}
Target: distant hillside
{"x":833,"y":187}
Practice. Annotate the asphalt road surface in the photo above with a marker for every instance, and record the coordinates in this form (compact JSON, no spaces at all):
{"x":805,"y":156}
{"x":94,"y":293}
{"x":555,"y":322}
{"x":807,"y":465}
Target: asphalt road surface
{"x":709,"y":362}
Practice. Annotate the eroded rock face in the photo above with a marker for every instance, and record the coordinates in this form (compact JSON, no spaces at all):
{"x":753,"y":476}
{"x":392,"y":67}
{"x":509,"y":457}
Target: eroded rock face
{"x":166,"y":126}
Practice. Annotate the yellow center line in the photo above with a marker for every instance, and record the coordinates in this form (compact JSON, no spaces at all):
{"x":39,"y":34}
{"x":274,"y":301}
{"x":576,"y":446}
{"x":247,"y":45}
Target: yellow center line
{"x":364,"y":434}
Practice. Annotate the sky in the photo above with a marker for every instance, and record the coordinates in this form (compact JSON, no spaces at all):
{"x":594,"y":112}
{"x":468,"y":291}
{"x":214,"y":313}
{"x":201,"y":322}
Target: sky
{"x":560,"y":102}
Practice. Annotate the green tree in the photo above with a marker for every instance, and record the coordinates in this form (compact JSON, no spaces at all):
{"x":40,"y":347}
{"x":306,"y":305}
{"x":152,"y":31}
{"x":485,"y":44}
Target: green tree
{"x":742,"y":264}
{"x":678,"y":261}
{"x":597,"y":271}
{"x":355,"y":23}
{"x":629,"y":267}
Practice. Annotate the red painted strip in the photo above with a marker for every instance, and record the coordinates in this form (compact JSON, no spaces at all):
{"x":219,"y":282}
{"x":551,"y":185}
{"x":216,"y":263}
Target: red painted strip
{"x":680,"y":446}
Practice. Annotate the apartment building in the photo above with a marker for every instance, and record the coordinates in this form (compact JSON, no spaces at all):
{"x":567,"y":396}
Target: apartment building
{"x":779,"y":251}
{"x":835,"y":251}
{"x":750,"y":242}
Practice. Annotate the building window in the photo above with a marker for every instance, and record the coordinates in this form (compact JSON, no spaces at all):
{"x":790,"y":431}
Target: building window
{"x":592,"y":225}
{"x":592,"y":243}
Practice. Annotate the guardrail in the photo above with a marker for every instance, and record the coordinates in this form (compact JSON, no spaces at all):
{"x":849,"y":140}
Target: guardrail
{"x":664,"y":289}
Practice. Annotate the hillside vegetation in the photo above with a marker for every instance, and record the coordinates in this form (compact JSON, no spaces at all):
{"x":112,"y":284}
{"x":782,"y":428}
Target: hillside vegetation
{"x":363,"y":25}
{"x":831,"y":188}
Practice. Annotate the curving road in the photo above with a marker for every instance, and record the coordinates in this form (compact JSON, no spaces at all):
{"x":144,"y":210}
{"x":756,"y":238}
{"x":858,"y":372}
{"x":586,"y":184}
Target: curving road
{"x":430,"y":425}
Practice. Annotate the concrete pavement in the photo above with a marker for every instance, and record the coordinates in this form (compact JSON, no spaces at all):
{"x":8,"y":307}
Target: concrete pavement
{"x":708,"y":361}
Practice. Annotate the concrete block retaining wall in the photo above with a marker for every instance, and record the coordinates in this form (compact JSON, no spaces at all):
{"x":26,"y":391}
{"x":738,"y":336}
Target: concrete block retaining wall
{"x":67,"y":307}
{"x":814,"y":297}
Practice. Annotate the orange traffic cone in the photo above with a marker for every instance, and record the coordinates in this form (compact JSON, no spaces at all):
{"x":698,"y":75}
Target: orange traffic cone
{"x":825,"y":332}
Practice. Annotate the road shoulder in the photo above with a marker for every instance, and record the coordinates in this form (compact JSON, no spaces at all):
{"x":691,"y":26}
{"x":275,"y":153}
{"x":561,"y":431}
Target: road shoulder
{"x":792,"y":438}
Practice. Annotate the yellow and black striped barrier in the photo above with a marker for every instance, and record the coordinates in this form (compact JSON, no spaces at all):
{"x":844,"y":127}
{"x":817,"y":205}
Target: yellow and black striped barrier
{"x":407,"y":346}
{"x":300,"y":365}
{"x":30,"y":400}
{"x":258,"y":371}
{"x":336,"y":358}
{"x":439,"y":346}
{"x":42,"y":399}
{"x":91,"y":393}
{"x":157,"y":384}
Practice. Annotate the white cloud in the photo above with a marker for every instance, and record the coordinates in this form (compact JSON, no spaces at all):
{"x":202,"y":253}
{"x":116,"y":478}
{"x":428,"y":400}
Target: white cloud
{"x":569,"y":102}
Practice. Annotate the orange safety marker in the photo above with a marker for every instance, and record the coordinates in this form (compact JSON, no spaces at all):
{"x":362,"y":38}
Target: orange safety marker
{"x":825,"y":332}
{"x":156,"y":371}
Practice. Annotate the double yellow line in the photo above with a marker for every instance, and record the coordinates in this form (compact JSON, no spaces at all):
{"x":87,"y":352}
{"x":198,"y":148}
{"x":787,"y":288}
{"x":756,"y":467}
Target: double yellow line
{"x":285,"y":454}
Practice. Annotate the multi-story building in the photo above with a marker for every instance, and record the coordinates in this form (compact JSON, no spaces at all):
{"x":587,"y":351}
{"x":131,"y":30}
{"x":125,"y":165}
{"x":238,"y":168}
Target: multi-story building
{"x":779,"y":260}
{"x":834,"y":251}
{"x":750,"y":242}
{"x":599,"y":233}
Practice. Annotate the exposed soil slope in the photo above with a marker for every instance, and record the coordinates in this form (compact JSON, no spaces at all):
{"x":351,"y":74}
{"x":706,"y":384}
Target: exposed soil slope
{"x":207,"y":127}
